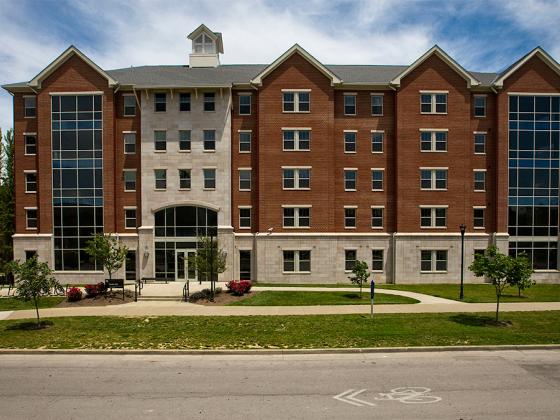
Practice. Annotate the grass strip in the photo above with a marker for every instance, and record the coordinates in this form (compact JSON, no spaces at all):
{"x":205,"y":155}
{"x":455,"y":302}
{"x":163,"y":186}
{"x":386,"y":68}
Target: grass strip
{"x":295,"y":298}
{"x":311,"y":331}
{"x":13,"y":304}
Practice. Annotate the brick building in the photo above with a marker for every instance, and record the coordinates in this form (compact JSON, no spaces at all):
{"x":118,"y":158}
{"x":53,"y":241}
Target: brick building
{"x":299,"y":168}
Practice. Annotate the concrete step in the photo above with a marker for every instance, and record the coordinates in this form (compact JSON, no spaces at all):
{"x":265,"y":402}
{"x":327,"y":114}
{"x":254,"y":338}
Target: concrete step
{"x":161,"y":298}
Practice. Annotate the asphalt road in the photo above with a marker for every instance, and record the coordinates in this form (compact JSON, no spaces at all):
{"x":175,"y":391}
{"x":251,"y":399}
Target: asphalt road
{"x":439,"y":385}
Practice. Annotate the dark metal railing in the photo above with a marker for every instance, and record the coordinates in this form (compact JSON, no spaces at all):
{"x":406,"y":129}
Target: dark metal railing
{"x":186,"y":291}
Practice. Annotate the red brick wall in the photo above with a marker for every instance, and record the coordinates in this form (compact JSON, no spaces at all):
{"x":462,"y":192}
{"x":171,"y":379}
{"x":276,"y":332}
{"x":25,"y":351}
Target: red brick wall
{"x":536,"y":77}
{"x":128,"y":161}
{"x":296,"y":73}
{"x":244,"y":160}
{"x":435,"y":74}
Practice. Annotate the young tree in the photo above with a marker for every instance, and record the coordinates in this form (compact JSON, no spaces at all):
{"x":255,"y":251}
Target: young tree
{"x":495,"y":266}
{"x":520,"y":272}
{"x":34,"y":279}
{"x":6,"y":197}
{"x":107,"y":250}
{"x":209,"y":260}
{"x":360,"y":274}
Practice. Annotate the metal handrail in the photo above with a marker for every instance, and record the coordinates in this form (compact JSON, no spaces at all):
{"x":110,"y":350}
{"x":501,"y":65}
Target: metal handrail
{"x":186,"y":291}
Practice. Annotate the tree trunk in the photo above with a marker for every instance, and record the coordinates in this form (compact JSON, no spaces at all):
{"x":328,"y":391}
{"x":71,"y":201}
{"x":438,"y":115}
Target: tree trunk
{"x":37,"y":311}
{"x":519,"y":292}
{"x":497,"y":307}
{"x":360,"y":290}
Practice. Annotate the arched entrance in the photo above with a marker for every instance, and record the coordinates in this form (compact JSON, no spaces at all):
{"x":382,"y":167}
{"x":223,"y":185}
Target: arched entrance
{"x":176,"y":231}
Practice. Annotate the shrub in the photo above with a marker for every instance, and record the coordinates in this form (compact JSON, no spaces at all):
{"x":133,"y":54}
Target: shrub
{"x":204,"y":294}
{"x":239,"y":287}
{"x":93,"y":290}
{"x":74,"y":294}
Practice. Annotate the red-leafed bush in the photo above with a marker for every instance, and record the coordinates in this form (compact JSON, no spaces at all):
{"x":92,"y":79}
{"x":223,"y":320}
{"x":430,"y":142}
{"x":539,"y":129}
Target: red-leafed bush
{"x":93,"y":290}
{"x":239,"y":287}
{"x":74,"y":294}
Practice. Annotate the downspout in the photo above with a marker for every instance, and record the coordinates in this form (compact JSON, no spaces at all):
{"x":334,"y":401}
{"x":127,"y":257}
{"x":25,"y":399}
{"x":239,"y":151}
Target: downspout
{"x":395,"y":192}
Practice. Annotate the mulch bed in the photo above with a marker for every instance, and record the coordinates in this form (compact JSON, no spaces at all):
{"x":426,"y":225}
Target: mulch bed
{"x":224,"y":298}
{"x":109,"y":298}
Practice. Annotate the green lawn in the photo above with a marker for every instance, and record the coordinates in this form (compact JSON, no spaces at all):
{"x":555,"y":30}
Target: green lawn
{"x":295,"y":298}
{"x":13,"y":304}
{"x":481,"y":293}
{"x":259,"y":284}
{"x":317,"y":331}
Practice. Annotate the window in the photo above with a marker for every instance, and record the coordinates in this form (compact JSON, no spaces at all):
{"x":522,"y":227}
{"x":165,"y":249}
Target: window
{"x":377,"y":138}
{"x":30,"y":253}
{"x":433,"y":179}
{"x":377,"y":105}
{"x":245,"y":141}
{"x":433,"y":217}
{"x":129,"y":105}
{"x":377,"y":217}
{"x":209,"y":101}
{"x":129,"y":179}
{"x":245,"y":217}
{"x":350,"y":217}
{"x":160,"y":140}
{"x":203,"y":45}
{"x":433,"y":141}
{"x":245,"y":264}
{"x":349,"y":104}
{"x":31,"y":182}
{"x":350,"y":258}
{"x":295,"y":101}
{"x":377,"y":179}
{"x":296,"y":217}
{"x":209,"y":140}
{"x":479,"y":143}
{"x":130,"y":218}
{"x":479,"y":105}
{"x":296,"y":139}
{"x":30,"y":106}
{"x":184,"y":102}
{"x":209,"y":178}
{"x":31,"y":218}
{"x":129,"y":143}
{"x":184,"y":179}
{"x":244,"y":104}
{"x":160,"y":176}
{"x":184,"y":140}
{"x":433,"y":103}
{"x":433,"y":260}
{"x":30,"y":144}
{"x":160,"y":102}
{"x":296,"y":178}
{"x":245,"y":180}
{"x":297,"y":261}
{"x":479,"y":179}
{"x":377,"y":260}
{"x":350,"y":141}
{"x":350,"y":179}
{"x":478,"y":217}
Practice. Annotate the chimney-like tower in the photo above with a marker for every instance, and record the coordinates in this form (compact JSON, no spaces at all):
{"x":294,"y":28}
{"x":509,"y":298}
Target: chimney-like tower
{"x":206,"y":47}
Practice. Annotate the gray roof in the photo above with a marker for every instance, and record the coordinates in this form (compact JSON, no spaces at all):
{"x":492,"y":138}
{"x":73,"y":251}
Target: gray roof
{"x":175,"y":76}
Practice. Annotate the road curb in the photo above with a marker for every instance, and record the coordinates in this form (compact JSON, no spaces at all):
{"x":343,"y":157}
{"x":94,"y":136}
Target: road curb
{"x":285,"y":352}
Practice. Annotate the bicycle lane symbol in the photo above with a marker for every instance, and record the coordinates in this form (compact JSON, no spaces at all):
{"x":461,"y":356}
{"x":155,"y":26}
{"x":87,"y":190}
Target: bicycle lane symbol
{"x":405,"y":395}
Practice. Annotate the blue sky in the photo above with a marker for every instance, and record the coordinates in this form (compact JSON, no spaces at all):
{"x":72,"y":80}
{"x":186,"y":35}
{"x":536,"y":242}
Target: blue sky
{"x":480,"y":35}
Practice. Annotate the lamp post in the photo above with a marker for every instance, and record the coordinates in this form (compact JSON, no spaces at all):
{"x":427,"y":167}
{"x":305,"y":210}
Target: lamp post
{"x":463,"y":229}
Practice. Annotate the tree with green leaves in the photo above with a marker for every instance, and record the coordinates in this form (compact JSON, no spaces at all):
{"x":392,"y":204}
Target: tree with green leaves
{"x":520,"y":272}
{"x":360,"y":274}
{"x":209,"y":260}
{"x":108,"y":250}
{"x":34,"y":279}
{"x":6,"y":197}
{"x":495,"y":266}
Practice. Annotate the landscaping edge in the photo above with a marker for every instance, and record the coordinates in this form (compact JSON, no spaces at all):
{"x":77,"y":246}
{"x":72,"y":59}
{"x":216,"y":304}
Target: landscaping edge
{"x":284,"y":352}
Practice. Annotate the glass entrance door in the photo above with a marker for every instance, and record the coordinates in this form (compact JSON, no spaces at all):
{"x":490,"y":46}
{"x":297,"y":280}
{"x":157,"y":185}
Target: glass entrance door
{"x":183,"y":269}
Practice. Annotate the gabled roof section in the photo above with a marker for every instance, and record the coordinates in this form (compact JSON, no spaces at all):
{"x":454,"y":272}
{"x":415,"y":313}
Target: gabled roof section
{"x":436,"y":50}
{"x":61,"y":59}
{"x":537,"y":52}
{"x":216,"y":36}
{"x":335,"y":80}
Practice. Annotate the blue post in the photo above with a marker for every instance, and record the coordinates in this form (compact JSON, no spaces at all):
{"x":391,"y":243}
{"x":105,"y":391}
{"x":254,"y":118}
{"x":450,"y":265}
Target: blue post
{"x":372,"y":294}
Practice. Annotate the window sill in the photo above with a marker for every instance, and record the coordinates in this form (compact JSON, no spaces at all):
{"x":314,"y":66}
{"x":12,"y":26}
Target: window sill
{"x":208,"y":111}
{"x":244,"y":152}
{"x":296,"y":272}
{"x":433,"y":189}
{"x":160,"y":189}
{"x":296,"y":227}
{"x":129,"y":153}
{"x":129,"y":228}
{"x":240,"y":190}
{"x":350,"y":153}
{"x":30,"y":154}
{"x":433,"y":272}
{"x":184,"y":189}
{"x":377,"y":190}
{"x":433,"y":113}
{"x":296,"y":189}
{"x":433,"y":227}
{"x":350,"y":115}
{"x":209,"y":151}
{"x":376,"y":153}
{"x":245,"y":227}
{"x":29,"y":118}
{"x":160,"y":151}
{"x":376,"y":115}
{"x":433,"y":151}
{"x":129,"y":190}
{"x":30,"y":192}
{"x":296,"y":112}
{"x":350,"y":227}
{"x":184,"y":151}
{"x":479,"y":116}
{"x":479,"y":191}
{"x":129,"y":116}
{"x":377,"y":227}
{"x":377,"y":271}
{"x":479,"y":227}
{"x":296,"y":150}
{"x":480,"y":153}
{"x":209,"y":189}
{"x":244,"y":115}
{"x":159,"y":112}
{"x":354,"y":190}
{"x":30,"y":228}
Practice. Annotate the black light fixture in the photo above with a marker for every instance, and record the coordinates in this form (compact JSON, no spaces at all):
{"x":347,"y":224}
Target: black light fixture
{"x":463,"y":228}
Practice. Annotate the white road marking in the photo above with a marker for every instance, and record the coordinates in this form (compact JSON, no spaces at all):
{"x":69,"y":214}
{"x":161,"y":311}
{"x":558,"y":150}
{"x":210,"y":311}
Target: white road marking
{"x":349,"y":397}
